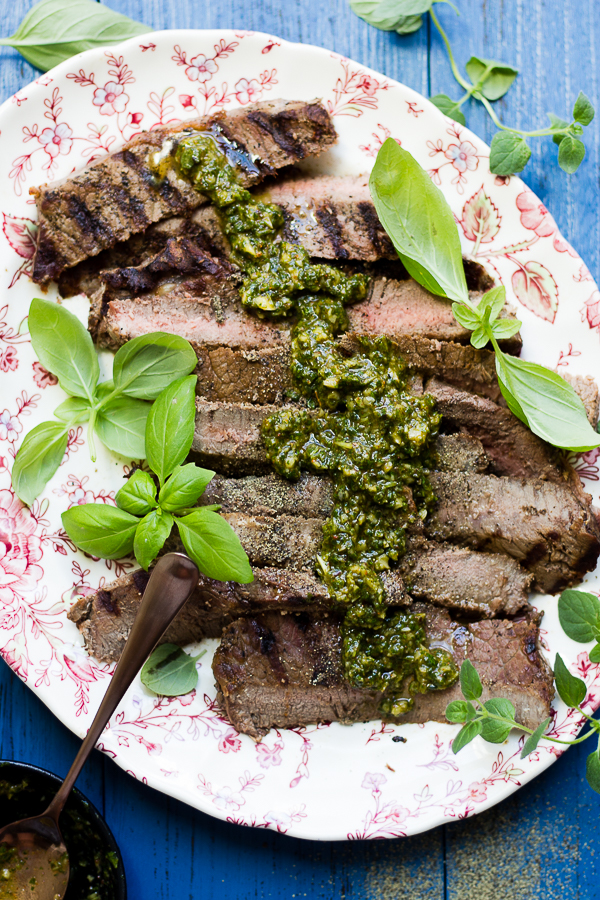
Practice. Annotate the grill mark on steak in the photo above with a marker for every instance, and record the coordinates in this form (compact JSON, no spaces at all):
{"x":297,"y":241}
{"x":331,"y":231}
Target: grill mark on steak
{"x":331,"y":225}
{"x":89,"y":212}
{"x":254,"y":700}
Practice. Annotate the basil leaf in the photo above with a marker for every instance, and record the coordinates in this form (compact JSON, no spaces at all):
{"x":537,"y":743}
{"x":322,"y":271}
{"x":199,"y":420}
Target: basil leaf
{"x":557,"y":122}
{"x":184,"y":486}
{"x":592,"y":771}
{"x":493,"y":300}
{"x":214,"y":546}
{"x":509,"y":153}
{"x":497,"y":81}
{"x":146,"y":365}
{"x":38,"y":458}
{"x":419,"y":222}
{"x":150,"y":536}
{"x":583,"y":111}
{"x":169,"y":671}
{"x":579,"y":615}
{"x":170,"y":427}
{"x":73,"y":410}
{"x":138,"y":495}
{"x":449,"y":107}
{"x":571,"y":152}
{"x":100,"y":530}
{"x":480,"y":337}
{"x":549,"y":405}
{"x":466,"y":316}
{"x":511,"y":402}
{"x":505,"y":328}
{"x":456,"y":711}
{"x":571,"y":690}
{"x":470,"y":683}
{"x":466,"y":734}
{"x":121,"y":426}
{"x":55,"y":30}
{"x":594,"y":654}
{"x":64,"y":347}
{"x":496,"y":732}
{"x":533,"y":740}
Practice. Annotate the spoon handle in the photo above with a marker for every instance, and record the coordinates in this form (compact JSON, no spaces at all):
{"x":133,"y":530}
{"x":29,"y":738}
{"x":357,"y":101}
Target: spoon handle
{"x":174,"y":578}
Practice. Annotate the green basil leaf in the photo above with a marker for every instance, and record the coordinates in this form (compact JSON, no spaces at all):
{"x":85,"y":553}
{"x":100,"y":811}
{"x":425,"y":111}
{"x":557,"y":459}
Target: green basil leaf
{"x":594,"y":654}
{"x":505,"y":328}
{"x":557,"y":122}
{"x":170,"y":427}
{"x":496,"y":732}
{"x":184,"y":486}
{"x":592,"y":771}
{"x":121,"y":426}
{"x":456,"y":711}
{"x":39,"y":457}
{"x":55,"y":30}
{"x":146,"y":365}
{"x":571,"y":690}
{"x":583,"y":111}
{"x":533,"y":740}
{"x":100,"y":530}
{"x":449,"y":107}
{"x":579,"y":615}
{"x":150,"y":536}
{"x":511,"y":401}
{"x":551,"y":408}
{"x":419,"y":221}
{"x":138,"y":495}
{"x":493,"y":300}
{"x":73,"y":410}
{"x":64,"y":347}
{"x":169,"y":671}
{"x":571,"y":152}
{"x":509,"y":153}
{"x":466,"y":316}
{"x":498,"y":79}
{"x":470,"y":683}
{"x":466,"y":734}
{"x":479,"y":338}
{"x":214,"y":546}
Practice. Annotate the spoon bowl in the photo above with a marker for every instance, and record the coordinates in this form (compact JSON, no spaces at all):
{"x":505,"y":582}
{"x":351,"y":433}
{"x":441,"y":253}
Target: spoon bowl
{"x":37,"y":857}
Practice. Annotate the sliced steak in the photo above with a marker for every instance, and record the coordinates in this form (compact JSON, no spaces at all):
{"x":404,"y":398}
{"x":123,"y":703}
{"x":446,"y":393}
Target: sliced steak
{"x":119,"y":196}
{"x":286,"y":671}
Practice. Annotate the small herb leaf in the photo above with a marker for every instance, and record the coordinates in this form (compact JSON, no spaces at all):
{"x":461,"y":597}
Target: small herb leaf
{"x":392,"y":15}
{"x":470,"y":683}
{"x":121,"y":426}
{"x":533,"y":740}
{"x":466,"y":734}
{"x":101,"y":530}
{"x":571,"y":690}
{"x":497,"y":77}
{"x":592,"y":771}
{"x":579,"y":615}
{"x":146,"y":365}
{"x":491,"y":730}
{"x":594,"y":654}
{"x":408,"y":24}
{"x":73,"y":410}
{"x":64,"y":347}
{"x":169,"y":671}
{"x":509,"y":153}
{"x":170,"y":427}
{"x":505,"y":328}
{"x":214,"y":546}
{"x":449,"y":107}
{"x":150,"y":536}
{"x":583,"y":111}
{"x":558,"y":123}
{"x":138,"y":495}
{"x":571,"y":152}
{"x":54,"y":30}
{"x":184,"y":487}
{"x":416,"y":216}
{"x":457,"y":711}
{"x":38,"y":458}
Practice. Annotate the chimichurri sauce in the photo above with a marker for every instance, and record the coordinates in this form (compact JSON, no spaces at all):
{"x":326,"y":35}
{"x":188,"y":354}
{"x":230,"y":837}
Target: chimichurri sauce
{"x":358,"y":424}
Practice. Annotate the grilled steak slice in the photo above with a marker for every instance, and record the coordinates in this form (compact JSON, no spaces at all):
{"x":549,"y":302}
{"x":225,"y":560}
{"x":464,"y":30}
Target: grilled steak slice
{"x":543,"y":525}
{"x":586,"y":387}
{"x":286,"y":671}
{"x":118,"y":196}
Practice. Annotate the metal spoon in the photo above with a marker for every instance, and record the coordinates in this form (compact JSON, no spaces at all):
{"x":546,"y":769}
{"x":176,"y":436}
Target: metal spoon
{"x":42,"y":870}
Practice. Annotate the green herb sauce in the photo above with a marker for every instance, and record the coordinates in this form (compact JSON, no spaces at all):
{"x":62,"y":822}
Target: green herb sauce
{"x":359,"y":425}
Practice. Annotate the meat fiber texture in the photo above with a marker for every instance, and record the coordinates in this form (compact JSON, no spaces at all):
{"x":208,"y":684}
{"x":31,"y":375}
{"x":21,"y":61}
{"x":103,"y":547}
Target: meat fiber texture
{"x":118,"y":196}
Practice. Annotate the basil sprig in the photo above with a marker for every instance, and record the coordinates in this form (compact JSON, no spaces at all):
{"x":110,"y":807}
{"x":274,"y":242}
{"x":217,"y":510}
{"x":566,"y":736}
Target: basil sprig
{"x":116,"y":410}
{"x":494,"y":719}
{"x":55,"y":30}
{"x":149,"y":505}
{"x":421,"y":226}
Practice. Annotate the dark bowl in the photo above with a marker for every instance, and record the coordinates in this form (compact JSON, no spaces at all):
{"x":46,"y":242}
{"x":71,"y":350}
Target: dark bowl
{"x":88,"y":838}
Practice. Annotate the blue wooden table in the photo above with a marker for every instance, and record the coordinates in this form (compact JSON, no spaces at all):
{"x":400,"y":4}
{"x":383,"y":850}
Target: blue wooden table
{"x":544,"y":842}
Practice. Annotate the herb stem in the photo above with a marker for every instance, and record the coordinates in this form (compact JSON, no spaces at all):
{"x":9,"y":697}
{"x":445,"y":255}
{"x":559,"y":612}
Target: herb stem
{"x":91,"y":427}
{"x":462,"y":81}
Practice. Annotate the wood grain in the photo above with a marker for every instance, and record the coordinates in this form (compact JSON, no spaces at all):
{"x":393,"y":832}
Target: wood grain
{"x":544,"y":841}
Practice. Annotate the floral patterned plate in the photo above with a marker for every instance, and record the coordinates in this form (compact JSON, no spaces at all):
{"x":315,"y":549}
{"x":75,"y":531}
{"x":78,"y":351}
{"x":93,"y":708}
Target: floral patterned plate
{"x":320,"y":782}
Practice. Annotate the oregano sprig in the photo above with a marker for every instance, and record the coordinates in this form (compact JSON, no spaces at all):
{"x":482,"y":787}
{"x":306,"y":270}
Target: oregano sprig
{"x":421,"y":226}
{"x":116,"y":410}
{"x":486,"y":81}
